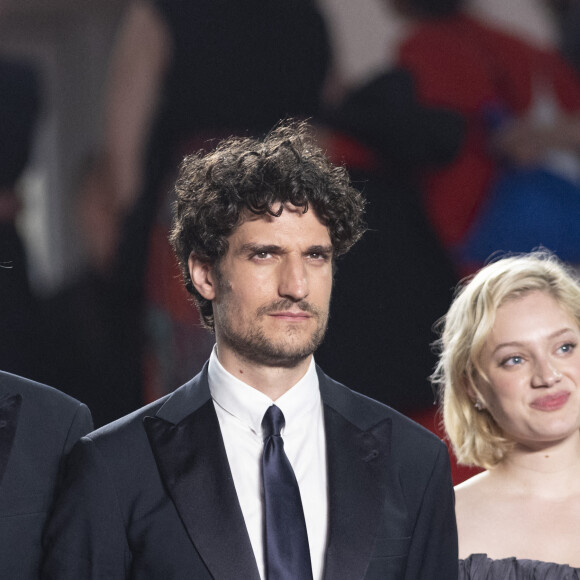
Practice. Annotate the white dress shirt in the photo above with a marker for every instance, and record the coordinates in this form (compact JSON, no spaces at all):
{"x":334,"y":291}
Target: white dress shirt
{"x":240,"y":409}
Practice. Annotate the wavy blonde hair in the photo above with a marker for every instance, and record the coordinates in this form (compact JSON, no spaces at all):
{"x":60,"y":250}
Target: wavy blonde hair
{"x":474,"y":435}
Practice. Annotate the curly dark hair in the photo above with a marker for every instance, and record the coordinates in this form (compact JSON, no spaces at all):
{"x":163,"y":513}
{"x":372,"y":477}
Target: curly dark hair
{"x":216,"y":189}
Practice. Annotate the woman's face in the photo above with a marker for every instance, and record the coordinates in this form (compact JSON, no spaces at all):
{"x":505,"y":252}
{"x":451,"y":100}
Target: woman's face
{"x":532,"y":361}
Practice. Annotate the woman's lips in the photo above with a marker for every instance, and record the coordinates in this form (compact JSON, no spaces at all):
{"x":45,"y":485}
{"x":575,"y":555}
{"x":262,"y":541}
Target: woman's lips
{"x":551,"y":402}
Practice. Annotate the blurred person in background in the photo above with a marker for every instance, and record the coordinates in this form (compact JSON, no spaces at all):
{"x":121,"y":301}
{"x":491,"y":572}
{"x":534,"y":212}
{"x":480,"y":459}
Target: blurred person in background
{"x":521,"y":104}
{"x":21,"y":339}
{"x":38,"y":424}
{"x":567,"y":16}
{"x":386,"y":138}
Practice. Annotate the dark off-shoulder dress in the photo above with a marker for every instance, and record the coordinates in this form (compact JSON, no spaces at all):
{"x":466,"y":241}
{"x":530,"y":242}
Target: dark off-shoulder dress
{"x":480,"y":567}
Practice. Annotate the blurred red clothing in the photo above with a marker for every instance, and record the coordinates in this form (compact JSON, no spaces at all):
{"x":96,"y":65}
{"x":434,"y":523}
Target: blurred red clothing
{"x":486,"y":75}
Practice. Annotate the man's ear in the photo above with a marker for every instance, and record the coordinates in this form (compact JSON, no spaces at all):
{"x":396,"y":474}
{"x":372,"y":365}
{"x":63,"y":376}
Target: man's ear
{"x":202,"y":276}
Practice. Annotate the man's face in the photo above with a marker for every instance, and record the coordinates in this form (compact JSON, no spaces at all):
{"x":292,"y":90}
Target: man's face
{"x":272,"y":289}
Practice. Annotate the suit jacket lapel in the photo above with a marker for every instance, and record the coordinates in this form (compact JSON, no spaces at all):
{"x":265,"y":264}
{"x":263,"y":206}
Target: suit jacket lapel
{"x":9,"y":411}
{"x":357,"y":455}
{"x":192,"y":462}
{"x":188,"y":447}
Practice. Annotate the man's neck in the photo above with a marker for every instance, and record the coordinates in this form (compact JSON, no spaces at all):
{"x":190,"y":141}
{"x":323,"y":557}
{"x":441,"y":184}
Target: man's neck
{"x":272,"y":381}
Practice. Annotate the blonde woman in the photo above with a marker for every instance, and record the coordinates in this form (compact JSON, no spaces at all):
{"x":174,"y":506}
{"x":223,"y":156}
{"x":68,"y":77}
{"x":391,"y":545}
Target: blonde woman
{"x":509,"y":371}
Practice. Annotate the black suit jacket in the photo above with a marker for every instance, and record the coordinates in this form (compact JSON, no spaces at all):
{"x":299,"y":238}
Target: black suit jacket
{"x":151,"y":496}
{"x":38,"y":426}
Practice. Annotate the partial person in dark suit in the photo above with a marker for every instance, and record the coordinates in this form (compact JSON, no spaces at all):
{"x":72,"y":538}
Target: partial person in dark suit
{"x":174,"y":490}
{"x":38,"y":427}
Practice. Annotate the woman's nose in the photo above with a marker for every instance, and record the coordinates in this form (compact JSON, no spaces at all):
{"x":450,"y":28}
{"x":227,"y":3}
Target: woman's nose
{"x":546,"y":375}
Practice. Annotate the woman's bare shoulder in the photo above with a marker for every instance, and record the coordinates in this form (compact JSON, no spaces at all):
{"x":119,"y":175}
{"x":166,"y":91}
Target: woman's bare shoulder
{"x":474,"y":493}
{"x":474,"y":485}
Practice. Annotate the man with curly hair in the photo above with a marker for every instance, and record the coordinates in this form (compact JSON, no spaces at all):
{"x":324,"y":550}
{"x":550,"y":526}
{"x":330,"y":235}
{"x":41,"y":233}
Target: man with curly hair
{"x":261,"y":466}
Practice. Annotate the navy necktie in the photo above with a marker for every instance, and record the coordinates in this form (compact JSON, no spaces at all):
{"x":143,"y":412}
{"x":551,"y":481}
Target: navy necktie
{"x":285,"y":537}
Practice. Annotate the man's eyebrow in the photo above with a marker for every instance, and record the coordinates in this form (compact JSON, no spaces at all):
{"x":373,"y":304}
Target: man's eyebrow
{"x":254,"y":248}
{"x":320,"y":249}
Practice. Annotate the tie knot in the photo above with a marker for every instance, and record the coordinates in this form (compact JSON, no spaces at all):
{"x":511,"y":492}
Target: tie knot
{"x":272,"y":422}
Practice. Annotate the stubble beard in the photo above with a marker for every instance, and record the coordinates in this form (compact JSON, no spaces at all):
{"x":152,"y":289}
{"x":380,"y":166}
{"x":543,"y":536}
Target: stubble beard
{"x":256,"y":347}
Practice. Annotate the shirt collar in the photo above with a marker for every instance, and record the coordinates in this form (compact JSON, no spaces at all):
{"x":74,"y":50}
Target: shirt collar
{"x":248,"y":405}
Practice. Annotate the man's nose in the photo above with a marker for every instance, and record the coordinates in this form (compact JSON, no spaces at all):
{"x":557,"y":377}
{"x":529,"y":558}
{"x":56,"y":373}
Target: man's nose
{"x":293,"y":283}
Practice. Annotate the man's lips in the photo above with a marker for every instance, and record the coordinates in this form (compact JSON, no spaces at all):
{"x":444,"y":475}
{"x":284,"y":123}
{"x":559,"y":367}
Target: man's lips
{"x":297,"y":316}
{"x":289,"y":309}
{"x":551,"y":402}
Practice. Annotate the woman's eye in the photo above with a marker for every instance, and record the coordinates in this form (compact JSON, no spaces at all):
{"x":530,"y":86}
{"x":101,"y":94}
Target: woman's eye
{"x":512,"y":361}
{"x":568,"y":347}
